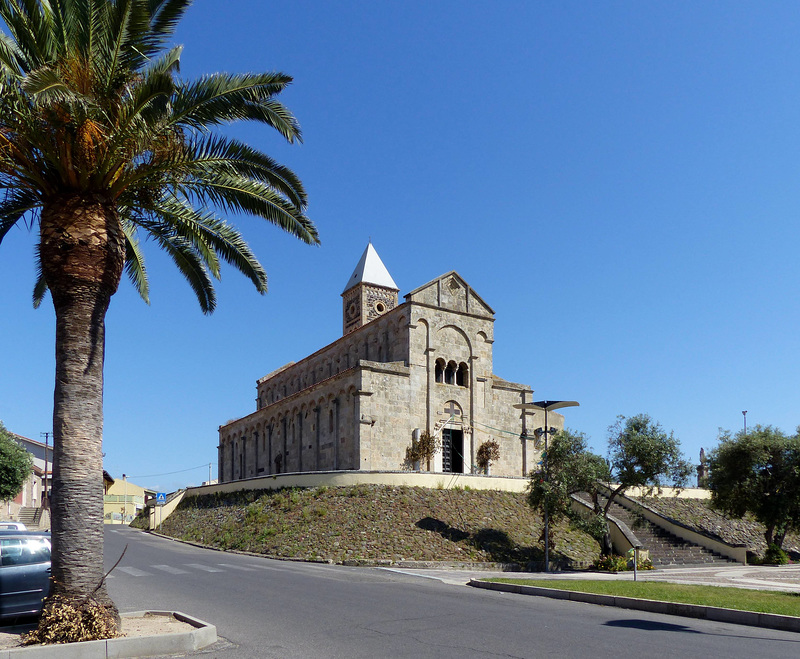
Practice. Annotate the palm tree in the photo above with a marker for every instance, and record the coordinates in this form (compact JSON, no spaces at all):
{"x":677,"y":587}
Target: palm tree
{"x":101,"y":143}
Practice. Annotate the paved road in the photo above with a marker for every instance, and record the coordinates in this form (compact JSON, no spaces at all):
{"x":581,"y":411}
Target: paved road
{"x":265,"y":608}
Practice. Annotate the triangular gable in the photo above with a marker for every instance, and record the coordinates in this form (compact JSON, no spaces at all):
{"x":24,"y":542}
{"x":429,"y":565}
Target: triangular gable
{"x":451,"y":291}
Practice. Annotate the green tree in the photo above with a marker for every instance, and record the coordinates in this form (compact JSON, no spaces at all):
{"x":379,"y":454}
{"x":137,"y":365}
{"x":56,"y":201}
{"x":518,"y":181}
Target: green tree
{"x":102,"y":143}
{"x":571,"y":468}
{"x":758,"y":473}
{"x":640,"y":454}
{"x":16,"y":465}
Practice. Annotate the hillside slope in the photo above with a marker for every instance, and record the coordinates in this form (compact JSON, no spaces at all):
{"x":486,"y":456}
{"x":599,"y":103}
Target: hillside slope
{"x":370,"y":523}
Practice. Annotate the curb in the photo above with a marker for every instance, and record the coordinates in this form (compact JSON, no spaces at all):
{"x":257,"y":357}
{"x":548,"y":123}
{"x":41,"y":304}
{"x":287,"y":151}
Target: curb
{"x":714,"y":613}
{"x":202,"y":636}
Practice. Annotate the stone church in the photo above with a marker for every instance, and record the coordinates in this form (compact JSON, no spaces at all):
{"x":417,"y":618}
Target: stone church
{"x":399,"y":369}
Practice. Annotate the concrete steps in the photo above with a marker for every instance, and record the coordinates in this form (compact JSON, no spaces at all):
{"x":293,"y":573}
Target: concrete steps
{"x":30,"y":516}
{"x":665,"y":548}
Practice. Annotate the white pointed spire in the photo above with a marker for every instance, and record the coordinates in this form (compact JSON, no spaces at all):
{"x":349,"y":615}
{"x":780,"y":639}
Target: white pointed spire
{"x":370,"y":270}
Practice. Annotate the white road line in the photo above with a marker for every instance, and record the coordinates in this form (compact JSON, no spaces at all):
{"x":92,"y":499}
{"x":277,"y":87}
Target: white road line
{"x":258,"y":566}
{"x":169,"y":569}
{"x":134,"y":572}
{"x":237,"y":567}
{"x":205,"y":568}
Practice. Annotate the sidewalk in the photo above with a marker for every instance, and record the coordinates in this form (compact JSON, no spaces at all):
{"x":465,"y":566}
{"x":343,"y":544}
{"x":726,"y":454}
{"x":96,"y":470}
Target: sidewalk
{"x":756,"y":577}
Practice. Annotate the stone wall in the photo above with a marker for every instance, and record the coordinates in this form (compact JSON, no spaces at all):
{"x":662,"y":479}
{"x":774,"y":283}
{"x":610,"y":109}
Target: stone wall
{"x":358,"y":402}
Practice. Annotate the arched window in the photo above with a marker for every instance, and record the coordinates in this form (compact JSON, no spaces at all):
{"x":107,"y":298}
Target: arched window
{"x":450,"y":373}
{"x":440,"y":370}
{"x":462,"y":375}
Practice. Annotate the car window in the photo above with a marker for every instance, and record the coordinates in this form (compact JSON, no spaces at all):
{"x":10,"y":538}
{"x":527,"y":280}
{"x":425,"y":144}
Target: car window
{"x":24,"y":551}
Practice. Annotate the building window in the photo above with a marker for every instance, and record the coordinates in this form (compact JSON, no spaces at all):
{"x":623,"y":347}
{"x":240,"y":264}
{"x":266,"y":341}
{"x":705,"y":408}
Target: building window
{"x":440,"y":370}
{"x":462,"y":375}
{"x":450,"y":373}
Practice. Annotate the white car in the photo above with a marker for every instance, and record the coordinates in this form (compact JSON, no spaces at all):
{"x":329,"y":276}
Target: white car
{"x":12,"y":526}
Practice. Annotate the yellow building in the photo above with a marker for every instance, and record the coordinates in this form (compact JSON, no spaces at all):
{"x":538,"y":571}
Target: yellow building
{"x":123,"y":500}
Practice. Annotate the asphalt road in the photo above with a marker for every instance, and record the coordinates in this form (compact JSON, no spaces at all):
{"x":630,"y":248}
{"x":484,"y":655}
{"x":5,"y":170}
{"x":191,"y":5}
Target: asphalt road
{"x":264,"y":608}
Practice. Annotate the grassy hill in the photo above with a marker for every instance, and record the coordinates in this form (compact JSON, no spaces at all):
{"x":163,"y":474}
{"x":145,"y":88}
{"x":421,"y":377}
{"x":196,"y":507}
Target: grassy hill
{"x":371,"y":523}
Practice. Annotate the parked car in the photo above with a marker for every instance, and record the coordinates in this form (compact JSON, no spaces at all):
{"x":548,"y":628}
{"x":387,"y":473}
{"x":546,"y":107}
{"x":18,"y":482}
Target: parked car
{"x":24,"y":572}
{"x":12,"y":526}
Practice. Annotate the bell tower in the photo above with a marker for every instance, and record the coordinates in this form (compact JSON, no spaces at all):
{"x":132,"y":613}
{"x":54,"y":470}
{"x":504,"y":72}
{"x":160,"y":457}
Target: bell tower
{"x":370,"y":292}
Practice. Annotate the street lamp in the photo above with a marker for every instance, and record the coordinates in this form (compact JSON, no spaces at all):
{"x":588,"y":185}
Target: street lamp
{"x":744,"y":414}
{"x":546,"y":405}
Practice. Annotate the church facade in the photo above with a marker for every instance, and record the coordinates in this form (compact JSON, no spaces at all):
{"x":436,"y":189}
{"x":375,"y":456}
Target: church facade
{"x":400,"y":369}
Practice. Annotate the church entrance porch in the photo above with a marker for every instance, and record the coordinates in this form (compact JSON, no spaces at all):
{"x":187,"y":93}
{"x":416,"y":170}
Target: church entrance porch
{"x":452,"y":451}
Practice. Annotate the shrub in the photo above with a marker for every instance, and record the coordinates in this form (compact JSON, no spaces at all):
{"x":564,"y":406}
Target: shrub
{"x":775,"y":556}
{"x":611,"y":563}
{"x":424,"y":448}
{"x":487,"y":453}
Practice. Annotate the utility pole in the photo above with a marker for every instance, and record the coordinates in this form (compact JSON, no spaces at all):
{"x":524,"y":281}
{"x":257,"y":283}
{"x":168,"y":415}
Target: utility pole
{"x":45,"y":497}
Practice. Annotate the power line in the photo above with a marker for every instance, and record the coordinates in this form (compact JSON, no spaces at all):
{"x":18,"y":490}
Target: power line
{"x":169,"y":473}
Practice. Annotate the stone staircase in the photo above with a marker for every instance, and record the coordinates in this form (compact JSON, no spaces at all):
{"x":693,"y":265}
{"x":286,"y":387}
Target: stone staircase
{"x":30,"y":517}
{"x":666,"y":549}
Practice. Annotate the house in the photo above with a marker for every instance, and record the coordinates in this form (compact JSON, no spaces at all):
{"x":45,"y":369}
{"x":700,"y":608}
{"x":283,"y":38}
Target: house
{"x":123,"y":500}
{"x":27,"y":505}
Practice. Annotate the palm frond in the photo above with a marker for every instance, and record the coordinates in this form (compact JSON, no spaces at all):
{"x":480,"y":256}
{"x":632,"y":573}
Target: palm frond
{"x":23,"y":31}
{"x":191,"y":267}
{"x":164,"y":18}
{"x":223,"y":98}
{"x":134,"y":261}
{"x":214,"y":155}
{"x":40,"y":287}
{"x":219,"y":236}
{"x":14,"y":206}
{"x":9,"y":55}
{"x":242,"y":195}
{"x":275,"y":115}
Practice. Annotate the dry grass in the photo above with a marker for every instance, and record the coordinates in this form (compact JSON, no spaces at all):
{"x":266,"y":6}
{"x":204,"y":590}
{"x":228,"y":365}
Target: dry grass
{"x":369,"y":523}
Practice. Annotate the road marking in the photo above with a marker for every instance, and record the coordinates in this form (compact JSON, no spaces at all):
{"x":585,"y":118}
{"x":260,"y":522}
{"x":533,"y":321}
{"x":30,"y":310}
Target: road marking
{"x":237,"y":567}
{"x":169,"y":569}
{"x":258,"y":566}
{"x":205,"y":568}
{"x":132,"y":571}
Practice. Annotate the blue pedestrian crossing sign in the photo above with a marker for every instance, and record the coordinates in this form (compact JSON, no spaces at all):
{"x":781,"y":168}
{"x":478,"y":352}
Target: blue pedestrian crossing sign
{"x":161,"y":498}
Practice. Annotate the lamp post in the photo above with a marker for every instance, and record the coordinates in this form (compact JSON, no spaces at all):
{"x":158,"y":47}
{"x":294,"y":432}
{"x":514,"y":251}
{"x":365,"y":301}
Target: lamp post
{"x":125,"y":500}
{"x":744,"y":414}
{"x":546,"y":405}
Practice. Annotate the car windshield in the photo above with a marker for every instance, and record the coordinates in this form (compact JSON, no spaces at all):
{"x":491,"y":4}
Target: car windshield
{"x":24,"y":551}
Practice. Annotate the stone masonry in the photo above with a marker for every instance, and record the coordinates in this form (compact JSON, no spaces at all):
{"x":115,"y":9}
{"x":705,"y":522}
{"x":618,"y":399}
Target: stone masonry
{"x":399,"y":370}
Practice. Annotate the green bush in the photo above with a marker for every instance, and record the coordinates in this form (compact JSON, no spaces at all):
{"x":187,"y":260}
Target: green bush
{"x":611,"y":563}
{"x":775,"y":556}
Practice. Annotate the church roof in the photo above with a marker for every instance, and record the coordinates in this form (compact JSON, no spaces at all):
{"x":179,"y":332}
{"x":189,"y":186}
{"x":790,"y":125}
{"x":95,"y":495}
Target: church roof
{"x":370,"y":270}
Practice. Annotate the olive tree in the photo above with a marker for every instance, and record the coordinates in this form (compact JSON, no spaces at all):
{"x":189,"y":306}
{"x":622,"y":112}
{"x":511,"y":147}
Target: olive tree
{"x":571,"y":468}
{"x":640,"y":454}
{"x":758,"y":472}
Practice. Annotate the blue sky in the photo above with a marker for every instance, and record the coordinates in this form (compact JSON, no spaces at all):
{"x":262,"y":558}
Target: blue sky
{"x":620,"y":181}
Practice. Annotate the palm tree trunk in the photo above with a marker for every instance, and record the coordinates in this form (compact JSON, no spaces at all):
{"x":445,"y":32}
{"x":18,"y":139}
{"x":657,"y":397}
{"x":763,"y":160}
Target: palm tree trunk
{"x":82,"y":253}
{"x":77,"y":506}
